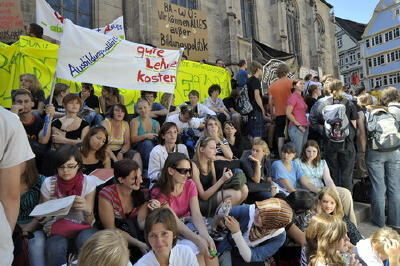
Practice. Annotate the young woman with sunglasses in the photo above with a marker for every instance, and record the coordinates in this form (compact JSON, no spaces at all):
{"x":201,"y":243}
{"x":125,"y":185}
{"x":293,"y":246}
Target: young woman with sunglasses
{"x":122,"y":201}
{"x":77,"y":224}
{"x":178,"y":192}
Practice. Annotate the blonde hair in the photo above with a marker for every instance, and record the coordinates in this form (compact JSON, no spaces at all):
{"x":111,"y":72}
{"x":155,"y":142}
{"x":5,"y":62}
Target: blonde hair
{"x":220,"y":132}
{"x":384,"y":239}
{"x":35,"y":82}
{"x":339,"y":212}
{"x":322,"y":235}
{"x":105,"y":248}
{"x":263,"y":145}
{"x":335,"y":87}
{"x":390,"y":95}
{"x":165,"y":98}
{"x":365,"y":100}
{"x":203,"y":142}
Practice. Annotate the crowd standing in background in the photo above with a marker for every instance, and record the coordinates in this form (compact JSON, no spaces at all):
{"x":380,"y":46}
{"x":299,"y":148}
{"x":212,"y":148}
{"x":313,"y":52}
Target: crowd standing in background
{"x":224,"y":182}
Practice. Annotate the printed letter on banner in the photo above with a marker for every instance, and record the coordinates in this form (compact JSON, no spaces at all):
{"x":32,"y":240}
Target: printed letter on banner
{"x":88,"y":56}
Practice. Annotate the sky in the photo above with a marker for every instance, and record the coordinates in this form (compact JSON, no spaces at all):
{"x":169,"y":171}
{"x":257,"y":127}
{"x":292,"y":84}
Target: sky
{"x":357,"y":10}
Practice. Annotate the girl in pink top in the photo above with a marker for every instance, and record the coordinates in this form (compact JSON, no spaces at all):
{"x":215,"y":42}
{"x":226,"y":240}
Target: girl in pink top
{"x":176,"y":191}
{"x":296,"y":113}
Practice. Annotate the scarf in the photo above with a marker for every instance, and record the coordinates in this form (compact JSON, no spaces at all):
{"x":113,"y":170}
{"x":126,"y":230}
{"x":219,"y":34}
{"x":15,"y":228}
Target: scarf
{"x":274,"y":213}
{"x":74,"y":186}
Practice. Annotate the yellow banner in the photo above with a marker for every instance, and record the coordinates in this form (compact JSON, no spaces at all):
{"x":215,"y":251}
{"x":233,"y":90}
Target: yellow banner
{"x":39,"y":57}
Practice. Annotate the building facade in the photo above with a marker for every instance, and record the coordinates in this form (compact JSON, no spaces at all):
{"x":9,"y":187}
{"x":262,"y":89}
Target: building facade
{"x":302,"y":27}
{"x":381,"y":46}
{"x":348,"y":36}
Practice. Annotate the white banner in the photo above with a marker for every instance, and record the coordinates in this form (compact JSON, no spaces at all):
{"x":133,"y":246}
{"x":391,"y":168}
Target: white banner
{"x":116,"y":28}
{"x":50,"y":20}
{"x":88,"y":56}
{"x":53,"y":23}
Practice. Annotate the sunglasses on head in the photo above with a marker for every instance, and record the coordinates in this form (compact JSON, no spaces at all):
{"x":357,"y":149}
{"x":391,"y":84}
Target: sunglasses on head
{"x":183,"y":171}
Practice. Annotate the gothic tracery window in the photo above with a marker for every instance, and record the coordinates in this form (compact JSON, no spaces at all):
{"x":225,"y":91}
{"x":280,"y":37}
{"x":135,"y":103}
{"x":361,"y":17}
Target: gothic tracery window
{"x":79,"y":11}
{"x":320,"y":32}
{"x":292,"y":19}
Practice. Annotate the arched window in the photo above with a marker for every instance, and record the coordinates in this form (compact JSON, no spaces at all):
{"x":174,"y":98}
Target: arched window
{"x":320,"y":32}
{"x":247,"y":10}
{"x":78,"y":11}
{"x":292,"y":19}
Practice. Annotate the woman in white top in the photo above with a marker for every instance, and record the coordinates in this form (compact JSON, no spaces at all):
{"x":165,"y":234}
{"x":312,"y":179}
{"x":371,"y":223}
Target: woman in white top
{"x":167,"y":138}
{"x":318,"y":174}
{"x":161,"y":231}
{"x":77,"y":224}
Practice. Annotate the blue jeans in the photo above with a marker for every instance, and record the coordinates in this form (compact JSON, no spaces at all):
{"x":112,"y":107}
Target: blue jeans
{"x":384,"y":172}
{"x":36,"y":247}
{"x":259,"y":253}
{"x":57,"y":247}
{"x":298,"y":138}
{"x":144,"y":148}
{"x":93,"y":118}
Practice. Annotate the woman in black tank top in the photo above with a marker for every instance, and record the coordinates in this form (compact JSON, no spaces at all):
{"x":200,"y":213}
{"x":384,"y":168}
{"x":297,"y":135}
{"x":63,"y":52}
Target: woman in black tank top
{"x":93,"y":150}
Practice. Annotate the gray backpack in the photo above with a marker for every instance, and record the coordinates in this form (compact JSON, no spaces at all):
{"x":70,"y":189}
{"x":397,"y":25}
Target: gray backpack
{"x":243,"y":104}
{"x":336,"y":123}
{"x":383,"y":130}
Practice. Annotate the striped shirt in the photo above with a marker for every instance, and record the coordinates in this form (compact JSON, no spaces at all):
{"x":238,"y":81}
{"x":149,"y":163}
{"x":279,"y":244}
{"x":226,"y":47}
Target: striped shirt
{"x":110,"y":194}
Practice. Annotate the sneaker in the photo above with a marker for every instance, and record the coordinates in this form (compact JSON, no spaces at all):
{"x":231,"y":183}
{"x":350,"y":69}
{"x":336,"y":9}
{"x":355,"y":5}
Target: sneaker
{"x":223,"y":209}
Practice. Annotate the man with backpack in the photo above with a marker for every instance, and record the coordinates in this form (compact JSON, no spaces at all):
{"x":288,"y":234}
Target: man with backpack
{"x":383,"y":158}
{"x":257,"y":115}
{"x":334,"y":117}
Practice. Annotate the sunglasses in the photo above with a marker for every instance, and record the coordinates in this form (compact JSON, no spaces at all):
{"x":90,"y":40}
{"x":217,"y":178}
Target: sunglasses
{"x":183,"y":171}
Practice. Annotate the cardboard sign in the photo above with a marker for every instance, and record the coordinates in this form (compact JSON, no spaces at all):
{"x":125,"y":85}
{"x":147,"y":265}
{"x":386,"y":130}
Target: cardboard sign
{"x":11,"y":22}
{"x":183,"y":27}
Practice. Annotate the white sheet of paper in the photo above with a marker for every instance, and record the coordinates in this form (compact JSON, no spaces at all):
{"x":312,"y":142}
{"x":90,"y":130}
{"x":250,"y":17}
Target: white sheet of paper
{"x":54,"y":207}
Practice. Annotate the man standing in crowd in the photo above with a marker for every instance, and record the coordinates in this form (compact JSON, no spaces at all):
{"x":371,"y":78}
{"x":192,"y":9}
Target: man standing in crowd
{"x":279,"y":92}
{"x":242,"y":74}
{"x":14,"y":151}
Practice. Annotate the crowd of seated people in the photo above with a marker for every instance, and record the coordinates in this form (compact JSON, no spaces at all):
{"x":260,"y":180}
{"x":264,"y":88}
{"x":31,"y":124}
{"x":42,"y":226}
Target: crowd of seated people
{"x":190,"y":188}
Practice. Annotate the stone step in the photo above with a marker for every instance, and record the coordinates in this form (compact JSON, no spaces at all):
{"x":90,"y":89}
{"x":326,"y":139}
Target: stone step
{"x":362,"y":211}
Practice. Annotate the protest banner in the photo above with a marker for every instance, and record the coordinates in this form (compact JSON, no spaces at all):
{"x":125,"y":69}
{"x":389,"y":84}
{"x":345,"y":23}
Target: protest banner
{"x":116,"y":28}
{"x":28,"y":55}
{"x":11,"y":21}
{"x":53,"y":23}
{"x":36,"y":56}
{"x":183,"y":27}
{"x":198,"y":76}
{"x":89,"y":56}
{"x":50,"y":20}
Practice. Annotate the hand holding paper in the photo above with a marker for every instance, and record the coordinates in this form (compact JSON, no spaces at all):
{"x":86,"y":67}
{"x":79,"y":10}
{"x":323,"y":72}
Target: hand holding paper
{"x":55,"y":207}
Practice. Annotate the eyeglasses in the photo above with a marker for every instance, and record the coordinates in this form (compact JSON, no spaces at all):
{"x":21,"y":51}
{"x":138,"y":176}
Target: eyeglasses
{"x":183,"y":171}
{"x":70,"y":167}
